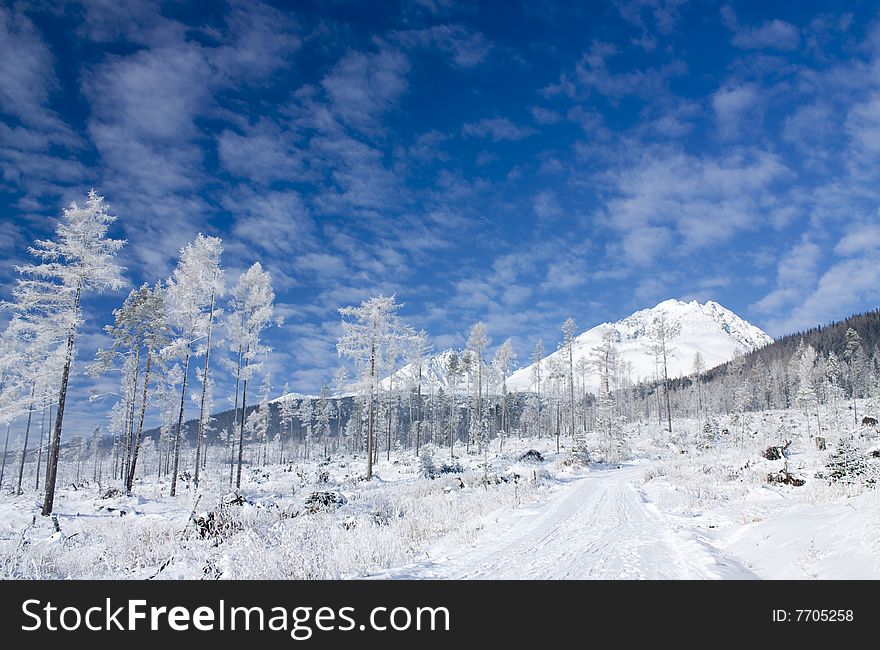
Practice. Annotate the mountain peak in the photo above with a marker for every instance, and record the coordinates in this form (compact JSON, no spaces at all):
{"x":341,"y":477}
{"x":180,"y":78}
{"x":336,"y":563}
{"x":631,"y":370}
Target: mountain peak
{"x":714,"y":331}
{"x":709,"y":328}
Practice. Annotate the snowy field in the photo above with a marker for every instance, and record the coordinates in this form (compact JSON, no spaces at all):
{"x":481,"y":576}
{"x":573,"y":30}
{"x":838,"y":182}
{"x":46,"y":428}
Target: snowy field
{"x":708,"y":513}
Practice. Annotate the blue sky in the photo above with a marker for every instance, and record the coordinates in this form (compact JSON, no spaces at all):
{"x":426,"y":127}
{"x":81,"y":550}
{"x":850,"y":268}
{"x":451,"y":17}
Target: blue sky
{"x":516,"y":163}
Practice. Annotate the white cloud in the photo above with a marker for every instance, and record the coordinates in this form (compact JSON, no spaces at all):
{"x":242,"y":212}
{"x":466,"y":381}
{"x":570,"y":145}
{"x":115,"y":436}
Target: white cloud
{"x":543,"y":115}
{"x":795,"y":273}
{"x":593,"y":74}
{"x":27,"y":74}
{"x":772,"y":34}
{"x":497,"y":128}
{"x":464,"y":46}
{"x":673,"y":203}
{"x":364,"y":86}
{"x":546,"y":205}
{"x":859,"y":238}
{"x":734,"y":107}
{"x":845,"y":288}
{"x":265,"y":152}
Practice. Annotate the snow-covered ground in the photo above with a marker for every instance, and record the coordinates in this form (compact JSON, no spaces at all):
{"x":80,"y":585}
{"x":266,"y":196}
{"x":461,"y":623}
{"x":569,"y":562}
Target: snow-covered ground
{"x":597,"y":525}
{"x":708,"y":513}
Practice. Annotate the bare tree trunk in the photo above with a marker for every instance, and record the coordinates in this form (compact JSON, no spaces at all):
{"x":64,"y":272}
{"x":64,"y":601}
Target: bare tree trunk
{"x":234,"y":420}
{"x":370,"y":414}
{"x":479,"y":426}
{"x":666,"y":390}
{"x":95,"y":466}
{"x":571,"y":384}
{"x":419,"y":414}
{"x":49,"y":442}
{"x":129,"y":433}
{"x":40,"y":449}
{"x":388,"y":430}
{"x":5,"y":449}
{"x":179,"y":429}
{"x":852,"y":384}
{"x":201,"y":432}
{"x":140,"y":428}
{"x":27,"y":432}
{"x":241,"y":430}
{"x":55,"y":448}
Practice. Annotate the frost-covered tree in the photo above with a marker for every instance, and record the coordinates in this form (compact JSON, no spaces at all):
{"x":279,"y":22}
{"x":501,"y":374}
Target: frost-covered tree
{"x":476,"y":343}
{"x":260,"y":419}
{"x":605,"y":358}
{"x":306,"y":416}
{"x":287,"y":414}
{"x":416,"y":356}
{"x":537,"y":360}
{"x":660,"y":334}
{"x":367,"y":332}
{"x":48,"y":295}
{"x":340,"y":385}
{"x":807,"y":399}
{"x":453,"y":372}
{"x":698,"y":367}
{"x":252,"y":308}
{"x":138,"y":334}
{"x":190,"y":297}
{"x":325,"y":414}
{"x":568,"y":330}
{"x":831,"y":387}
{"x":854,"y":354}
{"x":503,"y":359}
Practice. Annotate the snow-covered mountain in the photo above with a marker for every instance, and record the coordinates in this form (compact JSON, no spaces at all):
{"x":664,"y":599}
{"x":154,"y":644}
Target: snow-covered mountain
{"x":715,"y":332}
{"x":435,"y":371}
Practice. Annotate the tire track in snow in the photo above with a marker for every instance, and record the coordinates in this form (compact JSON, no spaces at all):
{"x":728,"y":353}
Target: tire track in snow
{"x":598,"y":527}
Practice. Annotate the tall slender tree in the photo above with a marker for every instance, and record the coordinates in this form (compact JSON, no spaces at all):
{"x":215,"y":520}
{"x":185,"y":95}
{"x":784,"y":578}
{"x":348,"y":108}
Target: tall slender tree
{"x":504,"y":357}
{"x":252,"y":306}
{"x":367,"y":332}
{"x":49,"y":293}
{"x":190,"y":295}
{"x":477,"y":342}
{"x":417,"y":355}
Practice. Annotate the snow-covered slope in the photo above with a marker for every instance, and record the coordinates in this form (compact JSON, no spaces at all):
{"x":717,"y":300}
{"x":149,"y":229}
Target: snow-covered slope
{"x":435,"y":371}
{"x":715,"y":332}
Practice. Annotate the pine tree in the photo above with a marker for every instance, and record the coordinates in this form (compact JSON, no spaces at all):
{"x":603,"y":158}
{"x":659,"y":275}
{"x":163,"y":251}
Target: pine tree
{"x":855,"y":357}
{"x":504,"y":357}
{"x":806,"y":398}
{"x":605,"y":358}
{"x":537,"y":359}
{"x":190,"y":296}
{"x":477,"y":343}
{"x":48,"y":295}
{"x":325,"y":414}
{"x":849,"y":465}
{"x":417,"y":354}
{"x":453,"y":372}
{"x":139,"y":333}
{"x":287,"y":414}
{"x":252,"y":308}
{"x":367,"y":332}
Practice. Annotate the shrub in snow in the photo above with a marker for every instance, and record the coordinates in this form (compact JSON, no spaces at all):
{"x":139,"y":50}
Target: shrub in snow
{"x":850,"y":465}
{"x":450,"y":467}
{"x":323,"y":501}
{"x":776,"y":452}
{"x":531,"y":456}
{"x":427,"y":468}
{"x":785,"y":477}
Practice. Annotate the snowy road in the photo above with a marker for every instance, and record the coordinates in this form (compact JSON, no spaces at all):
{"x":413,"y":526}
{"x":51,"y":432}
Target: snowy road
{"x":596,"y":527}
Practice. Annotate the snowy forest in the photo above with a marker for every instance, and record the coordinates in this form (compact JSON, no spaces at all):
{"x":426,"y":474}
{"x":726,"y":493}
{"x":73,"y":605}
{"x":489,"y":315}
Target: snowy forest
{"x":401,"y":448}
